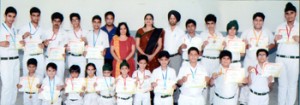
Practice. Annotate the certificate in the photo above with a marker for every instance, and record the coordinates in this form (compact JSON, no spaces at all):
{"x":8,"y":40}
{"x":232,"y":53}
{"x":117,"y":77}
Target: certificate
{"x":214,"y":44}
{"x":235,"y":75}
{"x":271,"y":69}
{"x":33,"y":47}
{"x":94,"y":52}
{"x":236,"y":46}
{"x":285,"y":38}
{"x":90,"y":85}
{"x":105,"y":86}
{"x":197,"y":82}
{"x":76,"y":47}
{"x":143,"y":86}
{"x":15,"y":42}
{"x":56,"y":53}
{"x":74,"y":85}
{"x":166,"y":89}
{"x":29,"y":84}
{"x":47,"y":94}
{"x":261,"y":43}
{"x":129,"y":88}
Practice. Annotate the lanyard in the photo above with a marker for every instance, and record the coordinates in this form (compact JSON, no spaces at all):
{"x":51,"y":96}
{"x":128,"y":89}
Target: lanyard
{"x":95,"y":40}
{"x":124,"y":79}
{"x":87,"y":82}
{"x":30,"y":82}
{"x":76,"y":34}
{"x":193,"y":73}
{"x":30,"y":24}
{"x":288,"y":32}
{"x":257,"y":37}
{"x":52,"y":37}
{"x":137,"y":73}
{"x":51,"y":89}
{"x":11,"y":35}
{"x":165,"y":78}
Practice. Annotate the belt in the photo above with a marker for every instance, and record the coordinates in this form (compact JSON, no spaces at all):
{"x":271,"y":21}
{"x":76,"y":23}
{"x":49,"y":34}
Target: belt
{"x":259,"y":94}
{"x":235,"y":61}
{"x":174,"y":55}
{"x":165,"y":96}
{"x":223,"y":97}
{"x":189,"y":60}
{"x":73,"y":99}
{"x":30,"y":92}
{"x":291,"y":57}
{"x":75,"y":54}
{"x":9,"y":58}
{"x":210,"y":57}
{"x":106,"y":96}
{"x":34,"y":54}
{"x":122,"y":98}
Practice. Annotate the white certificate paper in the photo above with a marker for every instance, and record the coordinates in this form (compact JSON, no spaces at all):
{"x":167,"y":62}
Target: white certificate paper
{"x":94,"y":52}
{"x":29,"y":84}
{"x":161,"y":89}
{"x":74,"y":85}
{"x":76,"y":47}
{"x":272,"y":69}
{"x":56,"y":53}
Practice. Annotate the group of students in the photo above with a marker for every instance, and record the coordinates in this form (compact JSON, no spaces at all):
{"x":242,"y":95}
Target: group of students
{"x":178,"y":67}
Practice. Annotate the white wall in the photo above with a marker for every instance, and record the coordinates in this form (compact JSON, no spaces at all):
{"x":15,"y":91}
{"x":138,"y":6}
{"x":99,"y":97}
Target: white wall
{"x":133,"y":11}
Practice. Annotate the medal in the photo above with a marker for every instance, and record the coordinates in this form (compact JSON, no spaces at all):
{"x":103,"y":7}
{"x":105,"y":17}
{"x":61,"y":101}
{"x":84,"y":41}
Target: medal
{"x":30,"y":96}
{"x":256,"y":45}
{"x":51,"y":103}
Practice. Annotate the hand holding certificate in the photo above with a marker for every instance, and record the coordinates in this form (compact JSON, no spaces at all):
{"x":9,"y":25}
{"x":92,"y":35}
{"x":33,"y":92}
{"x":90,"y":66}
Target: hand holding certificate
{"x":94,"y":52}
{"x":29,"y":84}
{"x":33,"y":47}
{"x":15,"y":41}
{"x":214,"y":44}
{"x":76,"y":47}
{"x":271,"y":69}
{"x":90,"y":85}
{"x":74,"y":85}
{"x":236,"y":46}
{"x":56,"y":53}
{"x":127,"y":87}
{"x":164,"y":87}
{"x":285,"y":37}
{"x":235,"y":75}
{"x":196,"y":81}
{"x":49,"y":94}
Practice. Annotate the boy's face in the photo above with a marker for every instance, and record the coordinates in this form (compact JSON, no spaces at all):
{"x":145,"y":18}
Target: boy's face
{"x":193,"y":56}
{"x":35,"y":17}
{"x":262,"y":57}
{"x":232,"y":31}
{"x":142,"y":64}
{"x":225,"y":61}
{"x":51,"y":72}
{"x":56,"y":23}
{"x":74,"y":74}
{"x":258,"y":22}
{"x":106,"y":73}
{"x":96,"y":24}
{"x":10,"y":18}
{"x":191,"y":28}
{"x":31,"y":68}
{"x":290,"y":16}
{"x":124,"y":70}
{"x":210,"y":25}
{"x":91,"y":70}
{"x":75,"y":21}
{"x":164,"y":61}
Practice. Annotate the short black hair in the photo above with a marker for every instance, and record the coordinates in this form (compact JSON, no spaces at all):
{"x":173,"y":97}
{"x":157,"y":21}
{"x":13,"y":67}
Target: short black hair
{"x":74,"y":15}
{"x":109,"y":13}
{"x":143,"y":57}
{"x":51,"y":65}
{"x":210,"y":17}
{"x":262,"y":50}
{"x":57,"y":15}
{"x":225,"y":53}
{"x":32,"y":61}
{"x":119,"y":29}
{"x":10,"y":9}
{"x":189,"y":21}
{"x":74,"y":68}
{"x":259,"y":14}
{"x":86,"y":67}
{"x":97,"y":17}
{"x":34,"y":10}
{"x":163,"y":54}
{"x":193,"y":49}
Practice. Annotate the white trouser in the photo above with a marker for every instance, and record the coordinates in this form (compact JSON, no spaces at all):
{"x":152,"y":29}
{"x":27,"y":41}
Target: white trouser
{"x":31,"y":101}
{"x":60,"y":67}
{"x":124,"y":102}
{"x":211,"y":66}
{"x":77,"y":60}
{"x":10,"y":73}
{"x":90,"y":99}
{"x":288,"y":80}
{"x":258,"y":100}
{"x":57,"y":102}
{"x":142,"y":99}
{"x":98,"y":63}
{"x":41,"y":68}
{"x":244,"y":93}
{"x":74,"y":102}
{"x":107,"y":101}
{"x":219,"y":101}
{"x":188,"y":100}
{"x":163,"y":101}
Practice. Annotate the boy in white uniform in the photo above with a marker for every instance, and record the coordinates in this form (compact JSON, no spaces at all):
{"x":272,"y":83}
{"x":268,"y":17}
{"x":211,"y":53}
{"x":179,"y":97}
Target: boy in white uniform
{"x":259,"y":86}
{"x":288,"y":56}
{"x":163,"y":73}
{"x":77,"y":34}
{"x":33,"y":82}
{"x":190,"y":74}
{"x":54,"y":38}
{"x":191,"y":39}
{"x":74,"y":98}
{"x":98,"y":38}
{"x":142,"y":77}
{"x":33,"y":32}
{"x":107,"y":92}
{"x":256,"y":38}
{"x":10,"y":63}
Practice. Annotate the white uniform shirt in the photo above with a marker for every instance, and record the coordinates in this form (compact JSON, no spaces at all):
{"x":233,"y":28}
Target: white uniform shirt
{"x":108,"y":83}
{"x":96,"y":40}
{"x":290,"y":49}
{"x":122,"y":82}
{"x":58,"y":40}
{"x":4,"y":32}
{"x":258,"y":82}
{"x":186,"y":70}
{"x":235,"y":55}
{"x":172,"y":40}
{"x":144,"y":84}
{"x":195,"y":41}
{"x":224,"y":88}
{"x":159,"y":74}
{"x":211,"y":53}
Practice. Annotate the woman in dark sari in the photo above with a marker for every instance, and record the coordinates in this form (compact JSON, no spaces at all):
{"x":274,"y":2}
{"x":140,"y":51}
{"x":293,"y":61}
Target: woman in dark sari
{"x":149,"y":41}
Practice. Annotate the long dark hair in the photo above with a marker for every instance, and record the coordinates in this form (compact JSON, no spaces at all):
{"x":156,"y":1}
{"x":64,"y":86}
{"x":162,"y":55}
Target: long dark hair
{"x":149,"y":14}
{"x":119,"y":29}
{"x":86,"y":67}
